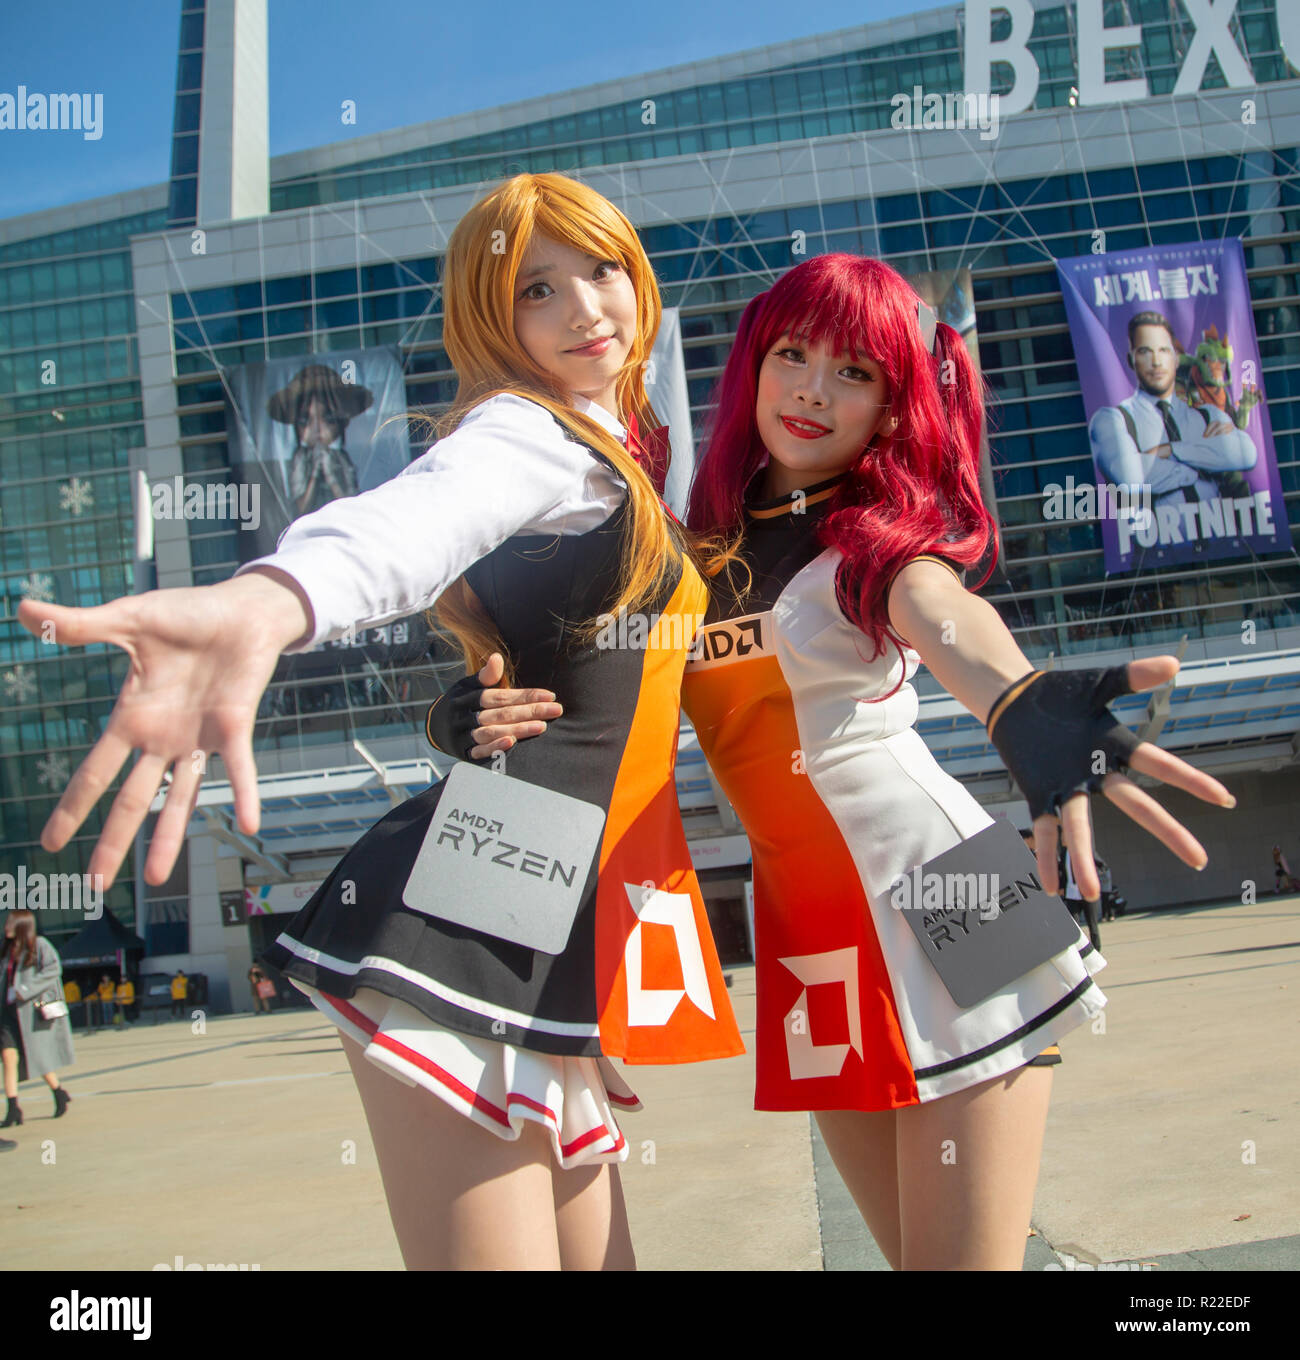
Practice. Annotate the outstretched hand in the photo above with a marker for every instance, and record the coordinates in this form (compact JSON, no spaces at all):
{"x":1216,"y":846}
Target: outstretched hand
{"x":1053,"y":736}
{"x":200,"y":661}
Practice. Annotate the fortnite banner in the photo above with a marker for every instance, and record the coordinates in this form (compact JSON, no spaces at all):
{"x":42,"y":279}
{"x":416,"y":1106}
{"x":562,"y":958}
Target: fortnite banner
{"x":1181,"y":444}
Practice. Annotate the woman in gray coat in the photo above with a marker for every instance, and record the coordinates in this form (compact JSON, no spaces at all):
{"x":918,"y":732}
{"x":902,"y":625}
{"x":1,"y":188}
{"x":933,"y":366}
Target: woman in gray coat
{"x":32,"y":976}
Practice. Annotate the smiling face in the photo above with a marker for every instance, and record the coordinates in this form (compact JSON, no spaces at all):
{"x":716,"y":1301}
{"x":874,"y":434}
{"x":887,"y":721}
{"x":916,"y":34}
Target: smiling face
{"x":817,"y":409}
{"x":575,"y":316}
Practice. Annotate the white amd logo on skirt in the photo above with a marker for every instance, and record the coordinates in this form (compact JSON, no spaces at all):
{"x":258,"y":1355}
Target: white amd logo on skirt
{"x":655,"y":1006}
{"x":806,"y":1058}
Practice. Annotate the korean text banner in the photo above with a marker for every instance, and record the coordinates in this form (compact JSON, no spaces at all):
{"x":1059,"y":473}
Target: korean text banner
{"x":304,"y":431}
{"x":1181,"y":444}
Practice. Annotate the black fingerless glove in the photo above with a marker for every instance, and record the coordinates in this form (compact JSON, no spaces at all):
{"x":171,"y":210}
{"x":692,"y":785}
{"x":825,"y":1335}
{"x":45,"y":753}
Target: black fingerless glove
{"x":451,"y":720}
{"x":1048,"y":727}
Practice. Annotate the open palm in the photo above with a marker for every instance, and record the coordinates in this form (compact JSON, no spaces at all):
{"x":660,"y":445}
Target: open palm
{"x":200,"y":661}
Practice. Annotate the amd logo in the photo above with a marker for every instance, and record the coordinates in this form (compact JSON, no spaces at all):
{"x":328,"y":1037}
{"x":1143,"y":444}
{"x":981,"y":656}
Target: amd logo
{"x":1210,"y":17}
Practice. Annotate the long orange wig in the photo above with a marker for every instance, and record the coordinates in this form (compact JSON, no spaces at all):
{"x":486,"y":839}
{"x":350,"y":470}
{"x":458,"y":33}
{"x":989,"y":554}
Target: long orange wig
{"x":478,"y":288}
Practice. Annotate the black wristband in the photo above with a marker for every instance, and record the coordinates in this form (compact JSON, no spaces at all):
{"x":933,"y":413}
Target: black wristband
{"x":449,"y":725}
{"x":1056,"y":731}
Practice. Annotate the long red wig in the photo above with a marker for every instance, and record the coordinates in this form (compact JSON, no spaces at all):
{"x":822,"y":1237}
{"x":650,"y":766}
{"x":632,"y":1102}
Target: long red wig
{"x":911,"y":492}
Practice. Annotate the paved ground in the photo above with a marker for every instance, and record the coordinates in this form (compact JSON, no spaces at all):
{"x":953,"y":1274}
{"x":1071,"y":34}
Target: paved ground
{"x":1173,"y":1136}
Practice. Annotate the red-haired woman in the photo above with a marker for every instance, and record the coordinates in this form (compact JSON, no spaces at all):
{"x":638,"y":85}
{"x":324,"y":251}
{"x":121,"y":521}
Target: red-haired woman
{"x":844,"y":447}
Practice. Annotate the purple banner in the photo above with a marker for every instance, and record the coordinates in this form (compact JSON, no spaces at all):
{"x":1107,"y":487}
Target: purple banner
{"x":1172,"y":385}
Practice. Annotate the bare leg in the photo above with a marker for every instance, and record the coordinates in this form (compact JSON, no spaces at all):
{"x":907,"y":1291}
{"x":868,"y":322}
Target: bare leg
{"x":10,"y":1059}
{"x":591,"y":1219}
{"x":52,"y":1080}
{"x":863,"y":1146}
{"x":460,"y":1197}
{"x":967,"y":1167}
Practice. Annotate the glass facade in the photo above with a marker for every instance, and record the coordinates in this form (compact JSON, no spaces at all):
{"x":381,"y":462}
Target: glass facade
{"x":183,"y":194}
{"x":1054,"y":594}
{"x":1009,"y":233}
{"x":70,"y":412}
{"x":847,"y":93}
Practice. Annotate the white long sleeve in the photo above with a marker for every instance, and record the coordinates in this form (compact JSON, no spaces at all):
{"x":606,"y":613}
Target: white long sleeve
{"x":507,"y":469}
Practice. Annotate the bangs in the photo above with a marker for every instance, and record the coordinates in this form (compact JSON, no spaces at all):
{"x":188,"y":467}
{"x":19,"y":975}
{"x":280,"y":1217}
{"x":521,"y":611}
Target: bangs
{"x":839,"y":319}
{"x":572,"y":224}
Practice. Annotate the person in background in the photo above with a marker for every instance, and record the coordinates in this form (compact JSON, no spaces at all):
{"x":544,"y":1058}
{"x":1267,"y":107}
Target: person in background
{"x":28,"y":1034}
{"x":263,"y":989}
{"x":180,"y":993}
{"x":1107,"y":888}
{"x":72,"y":995}
{"x":104,"y":998}
{"x":1283,"y":879}
{"x":1083,"y":910}
{"x":125,"y":997}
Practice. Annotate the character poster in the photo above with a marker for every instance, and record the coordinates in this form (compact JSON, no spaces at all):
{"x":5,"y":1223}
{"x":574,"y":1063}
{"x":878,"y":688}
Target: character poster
{"x":1172,"y":385}
{"x":305,"y":431}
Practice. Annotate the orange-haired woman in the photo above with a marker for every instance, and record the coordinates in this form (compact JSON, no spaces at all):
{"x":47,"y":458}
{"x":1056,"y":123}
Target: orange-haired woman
{"x":479,"y":1033}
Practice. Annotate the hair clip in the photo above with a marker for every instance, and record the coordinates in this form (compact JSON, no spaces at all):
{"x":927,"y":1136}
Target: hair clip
{"x":928,"y":321}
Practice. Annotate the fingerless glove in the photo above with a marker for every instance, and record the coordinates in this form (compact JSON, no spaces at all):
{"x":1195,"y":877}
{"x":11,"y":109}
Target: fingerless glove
{"x":1049,"y":726}
{"x":453,"y":716}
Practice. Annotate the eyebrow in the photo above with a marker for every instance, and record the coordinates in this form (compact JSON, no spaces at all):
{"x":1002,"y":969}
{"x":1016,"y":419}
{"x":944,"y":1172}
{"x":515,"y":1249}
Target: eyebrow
{"x":803,"y":343}
{"x":546,"y":268}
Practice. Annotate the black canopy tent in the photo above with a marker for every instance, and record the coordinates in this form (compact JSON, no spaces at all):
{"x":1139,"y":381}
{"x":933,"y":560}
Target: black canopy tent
{"x":98,"y":942}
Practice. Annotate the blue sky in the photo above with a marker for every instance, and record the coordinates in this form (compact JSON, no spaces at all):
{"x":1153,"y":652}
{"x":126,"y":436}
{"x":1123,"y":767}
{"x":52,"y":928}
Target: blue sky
{"x":402,"y":61}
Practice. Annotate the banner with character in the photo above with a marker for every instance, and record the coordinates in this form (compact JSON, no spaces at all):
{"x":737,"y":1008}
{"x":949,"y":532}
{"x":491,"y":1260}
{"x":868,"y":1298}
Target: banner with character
{"x":305,"y":431}
{"x":309,"y":429}
{"x":1172,"y":385}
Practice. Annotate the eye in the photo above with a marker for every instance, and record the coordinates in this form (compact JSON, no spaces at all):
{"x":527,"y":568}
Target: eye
{"x":607,"y":269}
{"x":859,"y":374}
{"x":789,"y":350}
{"x":532,"y":295}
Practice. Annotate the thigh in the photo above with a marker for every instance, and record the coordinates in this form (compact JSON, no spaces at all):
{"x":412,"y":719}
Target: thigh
{"x":863,"y":1146}
{"x":461,"y":1198}
{"x":967,"y":1168}
{"x":591,"y":1219}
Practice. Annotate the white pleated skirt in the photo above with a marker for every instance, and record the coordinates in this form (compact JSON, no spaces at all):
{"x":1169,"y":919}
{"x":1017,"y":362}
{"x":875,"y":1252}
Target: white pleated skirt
{"x":496,"y":1085}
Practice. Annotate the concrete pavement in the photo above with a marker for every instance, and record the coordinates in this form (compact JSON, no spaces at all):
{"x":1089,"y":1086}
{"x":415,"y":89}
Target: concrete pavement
{"x":1173,"y":1136}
